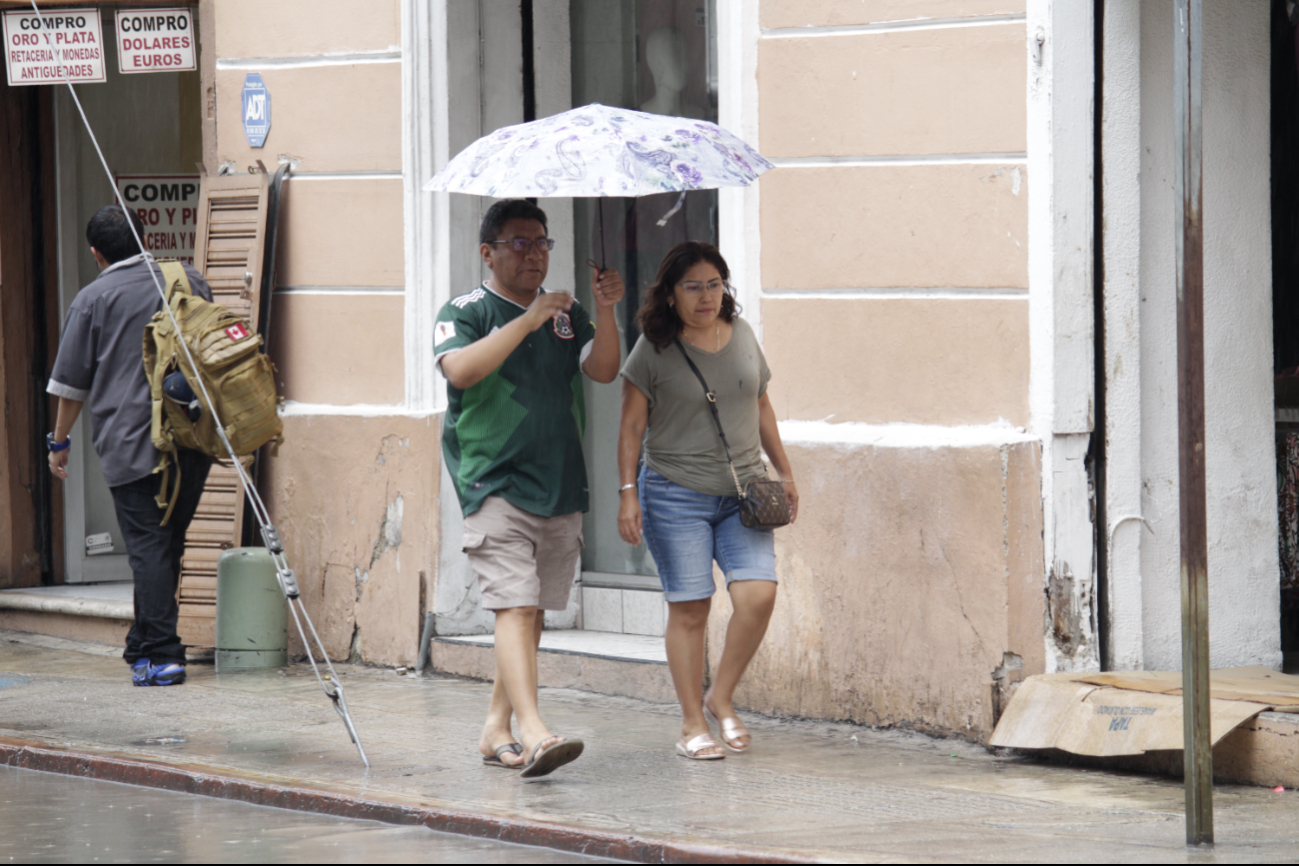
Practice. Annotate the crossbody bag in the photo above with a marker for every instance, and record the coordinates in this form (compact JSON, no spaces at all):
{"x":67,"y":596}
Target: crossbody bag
{"x":763,"y":504}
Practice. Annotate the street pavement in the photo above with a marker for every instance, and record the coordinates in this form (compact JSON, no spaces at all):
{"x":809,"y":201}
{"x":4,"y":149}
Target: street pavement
{"x":832,"y":792}
{"x":49,"y":818}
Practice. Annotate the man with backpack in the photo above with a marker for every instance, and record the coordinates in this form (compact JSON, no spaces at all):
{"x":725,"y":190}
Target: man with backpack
{"x":100,"y":362}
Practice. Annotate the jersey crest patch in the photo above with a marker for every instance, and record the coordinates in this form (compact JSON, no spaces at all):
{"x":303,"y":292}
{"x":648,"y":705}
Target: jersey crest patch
{"x":444,"y":331}
{"x":563,"y":326}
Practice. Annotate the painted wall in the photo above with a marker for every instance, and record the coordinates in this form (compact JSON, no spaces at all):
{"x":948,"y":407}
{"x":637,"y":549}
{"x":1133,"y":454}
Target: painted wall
{"x":906,"y":211}
{"x":911,"y":586}
{"x":336,"y":100}
{"x":355,"y":501}
{"x":354,"y":489}
{"x":1240,"y":458}
{"x":892,"y":257}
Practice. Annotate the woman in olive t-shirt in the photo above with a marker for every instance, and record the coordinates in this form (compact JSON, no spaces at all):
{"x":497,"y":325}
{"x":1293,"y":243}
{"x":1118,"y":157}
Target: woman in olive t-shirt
{"x":685,"y":503}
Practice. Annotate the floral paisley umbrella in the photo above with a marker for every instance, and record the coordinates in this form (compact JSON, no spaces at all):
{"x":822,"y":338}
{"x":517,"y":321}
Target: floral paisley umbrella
{"x":597,"y":151}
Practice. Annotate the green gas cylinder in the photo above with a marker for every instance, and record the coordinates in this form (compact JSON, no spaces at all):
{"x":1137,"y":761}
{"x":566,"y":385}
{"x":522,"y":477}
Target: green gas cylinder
{"x":252,"y":615}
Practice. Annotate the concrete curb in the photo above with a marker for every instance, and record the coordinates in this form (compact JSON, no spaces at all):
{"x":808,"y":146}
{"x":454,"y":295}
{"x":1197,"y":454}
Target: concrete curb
{"x":72,"y":606}
{"x":210,"y":783}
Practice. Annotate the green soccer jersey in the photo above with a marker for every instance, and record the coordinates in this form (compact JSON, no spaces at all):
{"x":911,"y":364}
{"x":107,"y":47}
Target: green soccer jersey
{"x":517,"y":434}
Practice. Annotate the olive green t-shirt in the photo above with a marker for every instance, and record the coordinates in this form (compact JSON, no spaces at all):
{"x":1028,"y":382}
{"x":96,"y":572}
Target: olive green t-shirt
{"x":681,"y":441}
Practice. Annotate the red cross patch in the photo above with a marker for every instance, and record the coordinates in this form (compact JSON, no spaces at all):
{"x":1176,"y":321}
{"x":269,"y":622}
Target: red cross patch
{"x":237,"y":332}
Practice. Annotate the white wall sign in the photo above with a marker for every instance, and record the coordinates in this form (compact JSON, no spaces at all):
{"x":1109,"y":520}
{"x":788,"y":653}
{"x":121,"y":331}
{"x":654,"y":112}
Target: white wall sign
{"x":257,"y":109}
{"x":155,"y":40}
{"x":168,"y":207}
{"x":67,"y":45}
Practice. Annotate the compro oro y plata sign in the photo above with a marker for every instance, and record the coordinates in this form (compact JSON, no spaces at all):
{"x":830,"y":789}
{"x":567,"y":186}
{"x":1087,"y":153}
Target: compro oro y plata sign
{"x":168,"y":207}
{"x":53,"y":47}
{"x":155,"y":40}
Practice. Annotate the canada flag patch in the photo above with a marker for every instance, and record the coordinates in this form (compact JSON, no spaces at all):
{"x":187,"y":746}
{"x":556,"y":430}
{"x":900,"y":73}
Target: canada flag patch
{"x":237,"y":332}
{"x":563,"y":326}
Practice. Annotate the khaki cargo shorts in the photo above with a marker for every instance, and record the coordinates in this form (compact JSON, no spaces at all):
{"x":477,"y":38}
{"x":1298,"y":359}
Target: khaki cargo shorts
{"x":521,"y":559}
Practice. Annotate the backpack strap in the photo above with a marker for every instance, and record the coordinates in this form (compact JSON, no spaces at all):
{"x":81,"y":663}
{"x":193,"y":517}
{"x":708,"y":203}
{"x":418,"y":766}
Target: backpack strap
{"x":166,"y":463}
{"x":175,"y":283}
{"x":175,"y":280}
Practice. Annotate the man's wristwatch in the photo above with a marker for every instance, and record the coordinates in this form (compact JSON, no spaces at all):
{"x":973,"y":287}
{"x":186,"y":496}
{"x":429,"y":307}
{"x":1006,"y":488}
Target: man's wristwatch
{"x":57,"y":446}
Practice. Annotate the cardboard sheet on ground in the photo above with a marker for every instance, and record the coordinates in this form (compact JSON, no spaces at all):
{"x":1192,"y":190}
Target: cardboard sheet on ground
{"x":1131,"y":713}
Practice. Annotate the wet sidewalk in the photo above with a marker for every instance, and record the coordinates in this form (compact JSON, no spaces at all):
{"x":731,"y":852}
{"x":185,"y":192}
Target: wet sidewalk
{"x":807,"y":791}
{"x":52,"y":818}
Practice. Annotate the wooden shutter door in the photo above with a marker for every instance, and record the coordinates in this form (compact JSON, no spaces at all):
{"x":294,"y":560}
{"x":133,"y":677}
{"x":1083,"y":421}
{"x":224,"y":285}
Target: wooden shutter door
{"x":229,"y":253}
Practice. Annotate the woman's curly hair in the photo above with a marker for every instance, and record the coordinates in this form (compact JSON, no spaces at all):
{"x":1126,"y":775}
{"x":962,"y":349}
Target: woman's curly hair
{"x":657,"y":319}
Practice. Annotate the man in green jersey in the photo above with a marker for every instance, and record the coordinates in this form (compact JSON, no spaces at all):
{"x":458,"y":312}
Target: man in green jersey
{"x":513,"y":355}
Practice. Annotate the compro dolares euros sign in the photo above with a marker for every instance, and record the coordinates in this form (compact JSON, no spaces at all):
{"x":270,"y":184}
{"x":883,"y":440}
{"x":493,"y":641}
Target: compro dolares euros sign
{"x":63,"y":45}
{"x":155,"y":40}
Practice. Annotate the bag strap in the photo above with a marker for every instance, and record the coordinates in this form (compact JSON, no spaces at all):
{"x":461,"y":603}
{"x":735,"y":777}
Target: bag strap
{"x":177,"y":283}
{"x":174,"y":278}
{"x":712,"y":407}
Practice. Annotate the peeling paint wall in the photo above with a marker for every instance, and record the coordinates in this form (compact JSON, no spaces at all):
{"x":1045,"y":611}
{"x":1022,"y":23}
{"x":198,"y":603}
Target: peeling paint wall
{"x":910,"y":588}
{"x":1059,"y":66}
{"x":356,"y":503}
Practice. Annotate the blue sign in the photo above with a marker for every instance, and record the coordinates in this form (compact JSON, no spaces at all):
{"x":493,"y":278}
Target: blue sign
{"x":257,"y":109}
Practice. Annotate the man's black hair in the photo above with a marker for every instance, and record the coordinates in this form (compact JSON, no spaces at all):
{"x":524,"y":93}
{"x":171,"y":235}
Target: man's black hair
{"x":505,"y":210}
{"x":109,"y":233}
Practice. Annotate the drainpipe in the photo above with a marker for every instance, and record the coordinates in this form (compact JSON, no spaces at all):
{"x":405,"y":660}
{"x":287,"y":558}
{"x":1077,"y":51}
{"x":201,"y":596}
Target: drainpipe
{"x":1118,"y":380}
{"x":1188,"y":204}
{"x":1096,"y":450}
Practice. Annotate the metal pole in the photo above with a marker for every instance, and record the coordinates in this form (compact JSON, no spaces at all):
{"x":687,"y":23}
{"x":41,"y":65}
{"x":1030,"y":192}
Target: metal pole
{"x":1197,"y":744}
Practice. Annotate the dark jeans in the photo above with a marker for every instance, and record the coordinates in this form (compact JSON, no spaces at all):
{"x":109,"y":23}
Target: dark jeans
{"x":154,"y":553}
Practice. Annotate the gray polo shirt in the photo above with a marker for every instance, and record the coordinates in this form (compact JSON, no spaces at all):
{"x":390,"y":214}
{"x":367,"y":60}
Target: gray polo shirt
{"x":101,"y":363}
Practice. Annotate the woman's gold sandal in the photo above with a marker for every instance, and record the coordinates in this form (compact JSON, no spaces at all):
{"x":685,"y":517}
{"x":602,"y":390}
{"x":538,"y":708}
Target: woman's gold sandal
{"x":731,"y":729}
{"x":696,"y":745}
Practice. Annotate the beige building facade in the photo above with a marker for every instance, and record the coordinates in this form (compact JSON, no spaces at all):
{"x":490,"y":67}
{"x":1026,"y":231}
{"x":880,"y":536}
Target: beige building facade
{"x":921,"y":267}
{"x":885,"y":262}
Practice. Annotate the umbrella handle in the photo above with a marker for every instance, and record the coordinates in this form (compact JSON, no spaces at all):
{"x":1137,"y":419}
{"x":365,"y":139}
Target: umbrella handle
{"x":603,"y":258}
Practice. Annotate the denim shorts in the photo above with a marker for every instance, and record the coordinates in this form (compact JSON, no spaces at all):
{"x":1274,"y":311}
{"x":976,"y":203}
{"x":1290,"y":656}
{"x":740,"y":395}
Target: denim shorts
{"x":686,"y":531}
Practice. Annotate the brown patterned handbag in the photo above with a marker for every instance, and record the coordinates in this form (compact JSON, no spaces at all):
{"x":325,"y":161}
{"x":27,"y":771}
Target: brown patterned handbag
{"x":763,"y":504}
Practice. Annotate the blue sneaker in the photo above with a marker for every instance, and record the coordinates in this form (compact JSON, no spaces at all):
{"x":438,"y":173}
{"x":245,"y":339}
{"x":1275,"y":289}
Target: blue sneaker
{"x":162,"y":675}
{"x":140,"y":672}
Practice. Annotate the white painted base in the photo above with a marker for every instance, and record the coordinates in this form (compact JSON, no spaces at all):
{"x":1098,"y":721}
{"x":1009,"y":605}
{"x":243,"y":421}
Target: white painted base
{"x":624,"y":611}
{"x":641,"y":648}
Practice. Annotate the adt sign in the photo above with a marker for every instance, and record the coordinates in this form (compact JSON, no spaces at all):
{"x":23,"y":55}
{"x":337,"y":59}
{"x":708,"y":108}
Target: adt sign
{"x":257,"y":109}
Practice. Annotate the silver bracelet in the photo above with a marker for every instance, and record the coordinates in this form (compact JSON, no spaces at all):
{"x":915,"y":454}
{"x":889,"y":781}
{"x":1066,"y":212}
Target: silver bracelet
{"x":631,"y":486}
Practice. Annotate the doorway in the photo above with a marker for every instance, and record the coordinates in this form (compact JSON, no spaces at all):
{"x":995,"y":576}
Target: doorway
{"x":30,"y":503}
{"x":1285,"y":311}
{"x":149,"y":127}
{"x":657,"y":56}
{"x":578,"y":52}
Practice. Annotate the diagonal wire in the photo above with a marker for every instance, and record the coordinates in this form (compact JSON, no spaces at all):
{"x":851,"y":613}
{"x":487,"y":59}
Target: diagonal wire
{"x":329,"y":682}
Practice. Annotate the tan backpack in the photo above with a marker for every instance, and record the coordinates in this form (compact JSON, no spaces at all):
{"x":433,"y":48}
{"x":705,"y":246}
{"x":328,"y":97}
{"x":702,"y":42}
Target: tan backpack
{"x":231,"y":366}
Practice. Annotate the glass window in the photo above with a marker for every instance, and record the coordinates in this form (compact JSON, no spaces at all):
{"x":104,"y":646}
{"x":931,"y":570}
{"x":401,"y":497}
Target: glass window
{"x":656,"y":56}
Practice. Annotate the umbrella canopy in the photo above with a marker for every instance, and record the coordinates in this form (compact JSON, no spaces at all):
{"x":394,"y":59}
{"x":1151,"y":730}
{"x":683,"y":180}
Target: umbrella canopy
{"x":600,"y":151}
